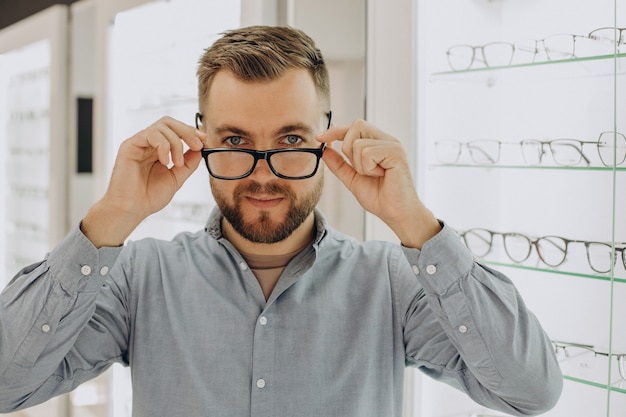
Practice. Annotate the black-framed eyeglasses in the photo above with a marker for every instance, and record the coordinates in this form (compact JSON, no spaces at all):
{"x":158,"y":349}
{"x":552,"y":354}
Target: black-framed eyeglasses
{"x":288,"y":163}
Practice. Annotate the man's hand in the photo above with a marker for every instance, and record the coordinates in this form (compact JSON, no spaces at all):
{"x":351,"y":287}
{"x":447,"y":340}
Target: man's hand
{"x":377,"y":173}
{"x":150,"y":168}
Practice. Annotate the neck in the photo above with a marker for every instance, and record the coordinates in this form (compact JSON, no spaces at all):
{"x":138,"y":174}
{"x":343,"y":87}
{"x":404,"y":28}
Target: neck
{"x":298,"y":239}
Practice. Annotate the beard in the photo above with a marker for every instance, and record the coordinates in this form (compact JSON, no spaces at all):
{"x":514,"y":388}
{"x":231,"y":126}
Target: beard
{"x":264,"y":229}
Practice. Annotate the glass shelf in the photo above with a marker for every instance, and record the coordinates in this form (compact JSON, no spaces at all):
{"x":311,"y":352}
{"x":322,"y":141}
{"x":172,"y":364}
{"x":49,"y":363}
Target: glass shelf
{"x":556,"y":271}
{"x":532,"y":64}
{"x":621,"y":390}
{"x":532,"y":167}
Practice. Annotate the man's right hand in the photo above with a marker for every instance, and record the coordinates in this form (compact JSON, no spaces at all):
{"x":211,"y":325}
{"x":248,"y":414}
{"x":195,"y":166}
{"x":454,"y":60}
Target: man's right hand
{"x":149,"y":169}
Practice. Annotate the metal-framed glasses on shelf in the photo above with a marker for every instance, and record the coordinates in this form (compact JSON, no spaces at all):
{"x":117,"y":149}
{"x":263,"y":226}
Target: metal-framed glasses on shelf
{"x":483,"y":152}
{"x":612,"y":39}
{"x":565,"y":152}
{"x":566,"y":351}
{"x":611,"y":147}
{"x":555,"y":47}
{"x":503,"y":54}
{"x":286,"y":163}
{"x":493,"y":54}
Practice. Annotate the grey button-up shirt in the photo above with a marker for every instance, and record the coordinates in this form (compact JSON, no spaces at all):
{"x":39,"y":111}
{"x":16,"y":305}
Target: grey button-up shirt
{"x":345,"y":318}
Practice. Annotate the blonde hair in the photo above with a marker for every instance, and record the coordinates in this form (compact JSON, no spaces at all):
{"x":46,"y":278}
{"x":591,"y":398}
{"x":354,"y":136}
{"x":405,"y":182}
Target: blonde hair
{"x":262,"y":53}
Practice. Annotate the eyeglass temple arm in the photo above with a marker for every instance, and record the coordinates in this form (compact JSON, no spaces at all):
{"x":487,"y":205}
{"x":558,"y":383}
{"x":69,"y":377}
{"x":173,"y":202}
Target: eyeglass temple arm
{"x":471,"y":147}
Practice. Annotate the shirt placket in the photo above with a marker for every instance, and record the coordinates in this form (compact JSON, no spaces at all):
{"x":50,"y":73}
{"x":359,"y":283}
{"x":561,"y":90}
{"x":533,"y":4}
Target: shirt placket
{"x":263,"y":377}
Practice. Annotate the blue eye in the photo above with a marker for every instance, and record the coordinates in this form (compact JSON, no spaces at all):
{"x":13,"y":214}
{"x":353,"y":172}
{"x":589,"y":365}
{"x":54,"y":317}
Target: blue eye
{"x":234,"y":140}
{"x":293,"y":139}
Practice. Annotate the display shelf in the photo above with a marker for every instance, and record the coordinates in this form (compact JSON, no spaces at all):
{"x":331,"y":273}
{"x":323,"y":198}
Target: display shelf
{"x":555,"y":271}
{"x":613,"y":388}
{"x":533,"y":167}
{"x":492,"y":139}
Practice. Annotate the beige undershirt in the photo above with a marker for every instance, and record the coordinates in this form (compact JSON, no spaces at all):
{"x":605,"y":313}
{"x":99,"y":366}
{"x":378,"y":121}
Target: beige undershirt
{"x":267,"y":268}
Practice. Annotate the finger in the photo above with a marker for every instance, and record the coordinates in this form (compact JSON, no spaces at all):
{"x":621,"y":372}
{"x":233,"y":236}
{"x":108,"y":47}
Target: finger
{"x":191,"y":160}
{"x":333,"y":134}
{"x":153,"y":140}
{"x":190,"y":135}
{"x":339,"y":166}
{"x":370,"y":156}
{"x":165,"y":136}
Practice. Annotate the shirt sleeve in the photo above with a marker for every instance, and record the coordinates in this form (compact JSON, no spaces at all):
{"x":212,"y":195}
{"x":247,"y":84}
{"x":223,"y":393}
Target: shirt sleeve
{"x":53,"y":332}
{"x":470,"y":328}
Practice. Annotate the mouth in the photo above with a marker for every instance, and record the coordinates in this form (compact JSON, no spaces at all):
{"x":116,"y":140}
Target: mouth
{"x":264,"y":202}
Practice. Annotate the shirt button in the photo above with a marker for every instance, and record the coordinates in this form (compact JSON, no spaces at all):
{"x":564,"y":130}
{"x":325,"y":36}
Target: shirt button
{"x":463,"y":328}
{"x":416,"y":270}
{"x":431,"y":269}
{"x":104,"y":270}
{"x":263,"y":321}
{"x":45,"y":328}
{"x":260,"y":383}
{"x":85,"y":270}
{"x":243,"y":266}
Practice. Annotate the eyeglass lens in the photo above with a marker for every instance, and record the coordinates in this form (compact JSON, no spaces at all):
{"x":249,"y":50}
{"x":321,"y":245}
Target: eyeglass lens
{"x":494,"y":54}
{"x":612,"y":148}
{"x":609,"y":38}
{"x":599,"y":256}
{"x":235,"y":164}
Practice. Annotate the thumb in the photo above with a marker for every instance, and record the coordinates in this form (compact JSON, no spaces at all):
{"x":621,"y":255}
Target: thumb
{"x":339,"y":166}
{"x":183,"y":172}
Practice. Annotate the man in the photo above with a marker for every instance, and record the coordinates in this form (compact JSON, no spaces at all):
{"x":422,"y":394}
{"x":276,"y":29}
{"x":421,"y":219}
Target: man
{"x":268,"y":311}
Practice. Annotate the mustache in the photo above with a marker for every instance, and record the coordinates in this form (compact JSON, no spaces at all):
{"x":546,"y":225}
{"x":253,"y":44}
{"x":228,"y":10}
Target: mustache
{"x":271,"y":188}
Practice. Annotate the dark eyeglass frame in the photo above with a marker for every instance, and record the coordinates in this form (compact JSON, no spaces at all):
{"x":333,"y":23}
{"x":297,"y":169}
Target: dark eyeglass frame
{"x":265,"y":155}
{"x":479,"y":233}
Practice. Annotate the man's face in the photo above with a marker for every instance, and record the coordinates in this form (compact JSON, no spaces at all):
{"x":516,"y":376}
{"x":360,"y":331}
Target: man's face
{"x":285,"y":113}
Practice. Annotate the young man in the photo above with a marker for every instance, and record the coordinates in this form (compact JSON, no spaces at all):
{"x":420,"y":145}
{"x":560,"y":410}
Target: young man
{"x":268,"y":311}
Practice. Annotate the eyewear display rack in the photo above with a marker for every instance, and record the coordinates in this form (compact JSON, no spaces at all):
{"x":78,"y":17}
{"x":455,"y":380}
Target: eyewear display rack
{"x":521,"y":116}
{"x":33,"y":146}
{"x":33,"y":134}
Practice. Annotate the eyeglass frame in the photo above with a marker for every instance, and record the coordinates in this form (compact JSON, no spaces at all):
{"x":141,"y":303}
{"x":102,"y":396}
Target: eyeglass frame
{"x":552,"y":142}
{"x":475,"y":144}
{"x":534,"y":242}
{"x":471,"y":145}
{"x":262,"y":155}
{"x":474,"y":58}
{"x":621,"y":357}
{"x":617,"y":38}
{"x":614,"y":258}
{"x":515,"y":46}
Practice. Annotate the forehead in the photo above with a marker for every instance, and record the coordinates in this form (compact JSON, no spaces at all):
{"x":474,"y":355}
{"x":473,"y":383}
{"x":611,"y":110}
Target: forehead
{"x":291,"y":98}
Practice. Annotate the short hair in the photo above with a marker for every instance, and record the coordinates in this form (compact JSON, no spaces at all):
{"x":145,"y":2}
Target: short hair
{"x":262,"y":53}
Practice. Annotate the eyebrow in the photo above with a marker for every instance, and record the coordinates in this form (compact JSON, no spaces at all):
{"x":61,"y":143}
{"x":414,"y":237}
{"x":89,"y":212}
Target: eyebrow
{"x":295,"y":127}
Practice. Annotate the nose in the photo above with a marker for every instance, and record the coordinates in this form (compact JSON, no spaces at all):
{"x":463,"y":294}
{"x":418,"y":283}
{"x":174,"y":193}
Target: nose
{"x":262,"y":170}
